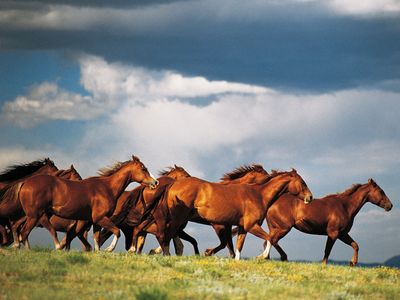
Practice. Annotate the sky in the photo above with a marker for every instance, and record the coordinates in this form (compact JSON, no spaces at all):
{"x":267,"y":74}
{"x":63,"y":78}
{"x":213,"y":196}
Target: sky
{"x":212,"y":85}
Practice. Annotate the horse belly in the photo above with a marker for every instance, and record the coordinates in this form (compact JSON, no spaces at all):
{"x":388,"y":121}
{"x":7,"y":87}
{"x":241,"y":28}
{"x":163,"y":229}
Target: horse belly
{"x":220,"y":214}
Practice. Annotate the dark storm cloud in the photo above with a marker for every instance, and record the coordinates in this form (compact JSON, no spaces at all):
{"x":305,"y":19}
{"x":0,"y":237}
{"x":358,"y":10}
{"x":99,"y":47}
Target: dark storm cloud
{"x":298,"y":46}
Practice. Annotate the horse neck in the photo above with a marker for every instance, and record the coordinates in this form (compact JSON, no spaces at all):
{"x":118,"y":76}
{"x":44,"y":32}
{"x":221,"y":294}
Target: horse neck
{"x":354,"y":202}
{"x":272,"y":190}
{"x":118,"y":181}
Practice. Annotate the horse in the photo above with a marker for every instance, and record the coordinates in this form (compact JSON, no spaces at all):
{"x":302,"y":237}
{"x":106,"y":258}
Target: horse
{"x":332,"y":215}
{"x":244,"y":205}
{"x":142,"y":201}
{"x":55,"y":223}
{"x":11,"y":211}
{"x":92,"y":199}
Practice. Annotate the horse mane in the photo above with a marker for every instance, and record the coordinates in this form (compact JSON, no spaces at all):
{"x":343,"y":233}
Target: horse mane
{"x":108,"y":171}
{"x":18,"y":171}
{"x":168,"y":170}
{"x":242,"y":171}
{"x":351,"y":190}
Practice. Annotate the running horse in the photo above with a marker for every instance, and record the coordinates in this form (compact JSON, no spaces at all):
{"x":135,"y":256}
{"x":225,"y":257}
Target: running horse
{"x":251,"y":174}
{"x":332,"y":216}
{"x":244,"y":205}
{"x":135,"y":205}
{"x":54,"y":223}
{"x":11,"y":211}
{"x":92,"y":199}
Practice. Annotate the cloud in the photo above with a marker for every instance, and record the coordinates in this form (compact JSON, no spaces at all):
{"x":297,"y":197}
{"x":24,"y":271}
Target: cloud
{"x":47,"y":101}
{"x":365,"y":7}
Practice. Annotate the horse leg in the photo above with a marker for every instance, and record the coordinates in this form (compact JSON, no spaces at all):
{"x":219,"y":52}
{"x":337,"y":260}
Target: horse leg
{"x":96,"y":237}
{"x":275,"y":235}
{"x":14,"y":226}
{"x":140,"y":242}
{"x":27,"y":228}
{"x":220,"y":231}
{"x":241,"y":236}
{"x":127,"y":231}
{"x":106,"y":223}
{"x":184,"y":236}
{"x":178,"y":245}
{"x":44,"y":220}
{"x":259,"y":232}
{"x":346,"y":238}
{"x":328,"y":247}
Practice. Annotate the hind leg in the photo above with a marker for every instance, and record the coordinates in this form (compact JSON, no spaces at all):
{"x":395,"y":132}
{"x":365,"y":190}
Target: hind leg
{"x":259,"y":232}
{"x":27,"y":228}
{"x":184,"y":236}
{"x":106,"y":223}
{"x":222,"y":235}
{"x":44,"y":220}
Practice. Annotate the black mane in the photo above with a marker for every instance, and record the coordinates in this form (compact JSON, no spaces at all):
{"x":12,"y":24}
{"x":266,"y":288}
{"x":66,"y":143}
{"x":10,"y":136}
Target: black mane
{"x":18,"y":171}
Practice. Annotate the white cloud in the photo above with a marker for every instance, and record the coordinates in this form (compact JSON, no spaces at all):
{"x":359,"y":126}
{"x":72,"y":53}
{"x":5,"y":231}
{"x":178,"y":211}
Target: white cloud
{"x":49,"y":102}
{"x":365,"y":7}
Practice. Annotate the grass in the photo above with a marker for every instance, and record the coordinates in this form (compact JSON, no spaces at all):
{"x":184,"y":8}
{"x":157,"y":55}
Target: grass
{"x":48,"y":274}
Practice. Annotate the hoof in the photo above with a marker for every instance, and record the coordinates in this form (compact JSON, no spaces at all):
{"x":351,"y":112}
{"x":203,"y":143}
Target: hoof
{"x":152,"y":252}
{"x":15,"y":246}
{"x":208,"y":252}
{"x":352,"y":264}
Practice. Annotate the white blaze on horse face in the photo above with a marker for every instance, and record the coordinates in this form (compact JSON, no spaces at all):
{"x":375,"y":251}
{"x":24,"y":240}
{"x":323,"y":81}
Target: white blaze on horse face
{"x":237,"y":254}
{"x":151,"y":175}
{"x":267,"y":249}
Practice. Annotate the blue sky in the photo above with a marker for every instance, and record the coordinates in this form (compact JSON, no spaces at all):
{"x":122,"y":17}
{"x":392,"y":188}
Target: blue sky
{"x":210,"y":86}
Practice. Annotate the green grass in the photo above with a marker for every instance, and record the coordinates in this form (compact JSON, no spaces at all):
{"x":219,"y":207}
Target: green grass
{"x":47,"y":274}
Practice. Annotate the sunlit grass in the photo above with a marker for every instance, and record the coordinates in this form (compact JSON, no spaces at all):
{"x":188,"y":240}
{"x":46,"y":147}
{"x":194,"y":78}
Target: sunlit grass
{"x":44,"y":274}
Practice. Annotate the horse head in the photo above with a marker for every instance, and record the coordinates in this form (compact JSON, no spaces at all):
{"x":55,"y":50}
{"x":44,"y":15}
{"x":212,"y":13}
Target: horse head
{"x":140,"y":173}
{"x":175,"y":172}
{"x":377,"y":196}
{"x":297,"y":187}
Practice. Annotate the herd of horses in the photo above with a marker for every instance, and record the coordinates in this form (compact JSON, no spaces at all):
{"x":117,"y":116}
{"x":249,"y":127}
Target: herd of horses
{"x":39,"y":194}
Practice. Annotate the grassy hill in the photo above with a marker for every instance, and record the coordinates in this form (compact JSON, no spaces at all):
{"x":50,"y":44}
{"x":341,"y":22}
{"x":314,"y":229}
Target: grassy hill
{"x":47,"y":274}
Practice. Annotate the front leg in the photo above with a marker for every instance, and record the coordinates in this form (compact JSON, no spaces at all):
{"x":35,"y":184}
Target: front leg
{"x":346,"y":238}
{"x":240,"y":242}
{"x":106,"y":223}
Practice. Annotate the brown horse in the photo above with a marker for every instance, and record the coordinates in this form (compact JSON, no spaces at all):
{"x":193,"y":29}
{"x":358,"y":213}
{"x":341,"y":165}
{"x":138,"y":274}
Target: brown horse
{"x":332,"y":215}
{"x":11,"y":211}
{"x":142,"y":202}
{"x":243,"y":174}
{"x":92,"y":199}
{"x":54,"y":223}
{"x":244,"y":205}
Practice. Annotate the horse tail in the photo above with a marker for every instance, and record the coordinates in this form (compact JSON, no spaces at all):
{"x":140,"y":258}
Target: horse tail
{"x":10,"y":192}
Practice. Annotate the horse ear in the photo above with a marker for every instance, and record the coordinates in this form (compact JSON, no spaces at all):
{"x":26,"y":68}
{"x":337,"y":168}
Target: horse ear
{"x":72,"y":167}
{"x":135,"y":158}
{"x":371,"y":181}
{"x":294,"y":171}
{"x":175,"y":166}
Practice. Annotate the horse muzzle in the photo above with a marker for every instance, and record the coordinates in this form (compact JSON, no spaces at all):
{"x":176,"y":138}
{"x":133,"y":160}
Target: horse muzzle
{"x":308,"y":198}
{"x":153,"y":184}
{"x":388,"y":207}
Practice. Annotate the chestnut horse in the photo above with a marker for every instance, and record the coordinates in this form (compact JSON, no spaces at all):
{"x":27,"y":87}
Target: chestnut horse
{"x":332,"y":215}
{"x":243,"y":174}
{"x":142,"y":202}
{"x":54,"y":223}
{"x":92,"y":199}
{"x":11,"y":211}
{"x":244,"y":205}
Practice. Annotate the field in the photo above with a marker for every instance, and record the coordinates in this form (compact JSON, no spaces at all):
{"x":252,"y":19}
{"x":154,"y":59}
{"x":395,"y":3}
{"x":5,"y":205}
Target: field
{"x":48,"y":274}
